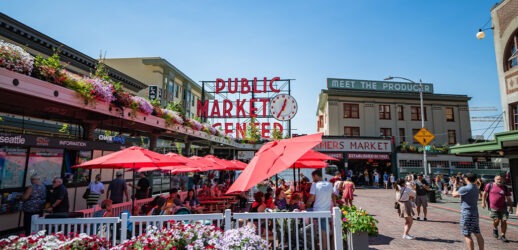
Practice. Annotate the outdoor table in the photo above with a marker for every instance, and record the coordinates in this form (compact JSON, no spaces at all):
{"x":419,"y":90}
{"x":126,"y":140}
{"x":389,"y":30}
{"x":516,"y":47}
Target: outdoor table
{"x":212,"y":204}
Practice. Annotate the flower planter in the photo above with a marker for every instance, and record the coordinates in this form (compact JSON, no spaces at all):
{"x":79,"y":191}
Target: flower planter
{"x":357,"y":241}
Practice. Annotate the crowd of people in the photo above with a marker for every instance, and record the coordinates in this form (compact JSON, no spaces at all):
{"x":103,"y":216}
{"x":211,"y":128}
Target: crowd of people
{"x":496,"y":196}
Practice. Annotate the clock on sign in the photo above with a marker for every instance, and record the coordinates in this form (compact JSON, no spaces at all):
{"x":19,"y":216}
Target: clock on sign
{"x":283,"y":107}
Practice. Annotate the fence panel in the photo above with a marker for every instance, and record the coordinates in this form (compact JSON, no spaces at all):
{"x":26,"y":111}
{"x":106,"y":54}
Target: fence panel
{"x":289,"y":230}
{"x":105,"y":227}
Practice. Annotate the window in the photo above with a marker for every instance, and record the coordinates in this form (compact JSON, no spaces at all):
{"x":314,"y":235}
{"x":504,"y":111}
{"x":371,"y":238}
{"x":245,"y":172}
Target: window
{"x":402,"y":135}
{"x":514,"y":116}
{"x":385,"y":132}
{"x":351,"y":110}
{"x":320,"y":121}
{"x":511,"y":53}
{"x":414,"y":132}
{"x":384,"y":112}
{"x":452,"y":137}
{"x":415,"y":113}
{"x":449,"y":114}
{"x":400,"y":115}
{"x":193,"y":100}
{"x":352,"y":131}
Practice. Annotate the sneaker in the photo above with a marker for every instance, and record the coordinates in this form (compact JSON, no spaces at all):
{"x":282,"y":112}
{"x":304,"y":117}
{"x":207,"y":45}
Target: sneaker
{"x":418,"y":218}
{"x":408,"y":237}
{"x":495,"y":233}
{"x":425,"y":219}
{"x":503,"y":239}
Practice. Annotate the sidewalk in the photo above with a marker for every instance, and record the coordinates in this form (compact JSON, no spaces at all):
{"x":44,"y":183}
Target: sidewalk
{"x":441,"y":231}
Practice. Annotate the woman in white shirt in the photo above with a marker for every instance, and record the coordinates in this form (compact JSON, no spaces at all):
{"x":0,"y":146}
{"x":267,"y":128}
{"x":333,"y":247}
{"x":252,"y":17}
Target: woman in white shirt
{"x":404,"y":196}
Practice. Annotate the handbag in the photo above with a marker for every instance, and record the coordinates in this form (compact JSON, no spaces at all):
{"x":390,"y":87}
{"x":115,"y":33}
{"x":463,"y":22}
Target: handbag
{"x":86,"y":194}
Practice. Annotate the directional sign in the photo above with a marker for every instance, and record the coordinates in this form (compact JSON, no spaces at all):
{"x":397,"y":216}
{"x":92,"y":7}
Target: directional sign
{"x":424,"y":136}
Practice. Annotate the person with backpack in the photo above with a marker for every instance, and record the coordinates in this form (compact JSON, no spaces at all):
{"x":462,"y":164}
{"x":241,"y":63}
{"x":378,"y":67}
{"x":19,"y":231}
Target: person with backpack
{"x":498,"y":197}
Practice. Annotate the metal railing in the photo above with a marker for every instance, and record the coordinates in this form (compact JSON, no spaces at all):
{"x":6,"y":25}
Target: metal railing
{"x":291,"y":230}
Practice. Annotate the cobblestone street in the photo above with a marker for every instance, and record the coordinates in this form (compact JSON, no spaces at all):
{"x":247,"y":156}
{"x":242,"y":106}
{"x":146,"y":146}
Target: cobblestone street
{"x":441,"y":231}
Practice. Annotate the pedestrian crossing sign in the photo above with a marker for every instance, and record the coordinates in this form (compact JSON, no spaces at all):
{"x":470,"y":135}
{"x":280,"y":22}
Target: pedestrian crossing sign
{"x":424,"y":136}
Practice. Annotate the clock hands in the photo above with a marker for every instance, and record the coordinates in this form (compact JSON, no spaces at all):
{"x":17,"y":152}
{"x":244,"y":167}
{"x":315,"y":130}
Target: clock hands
{"x":283,"y":107}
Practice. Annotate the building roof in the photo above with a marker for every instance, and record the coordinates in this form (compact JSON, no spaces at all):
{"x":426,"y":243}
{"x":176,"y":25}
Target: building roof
{"x":37,"y":41}
{"x":394,"y":95}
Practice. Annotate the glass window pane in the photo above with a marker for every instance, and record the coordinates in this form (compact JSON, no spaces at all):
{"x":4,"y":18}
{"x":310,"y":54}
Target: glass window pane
{"x":12,"y":166}
{"x":46,"y":162}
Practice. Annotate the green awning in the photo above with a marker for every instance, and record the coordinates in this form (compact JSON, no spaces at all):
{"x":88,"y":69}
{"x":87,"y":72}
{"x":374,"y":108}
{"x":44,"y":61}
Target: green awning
{"x":501,"y":142}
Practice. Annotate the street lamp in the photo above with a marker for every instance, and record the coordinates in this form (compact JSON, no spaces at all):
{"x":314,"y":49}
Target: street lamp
{"x":425,"y":163}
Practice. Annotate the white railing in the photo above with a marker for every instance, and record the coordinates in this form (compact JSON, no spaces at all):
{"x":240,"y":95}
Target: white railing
{"x":137,"y":225}
{"x":283,"y":230}
{"x":103,"y":227}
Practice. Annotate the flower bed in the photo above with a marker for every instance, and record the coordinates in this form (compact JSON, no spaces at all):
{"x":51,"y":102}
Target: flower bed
{"x":178,"y":236}
{"x":98,"y":87}
{"x":54,"y":241}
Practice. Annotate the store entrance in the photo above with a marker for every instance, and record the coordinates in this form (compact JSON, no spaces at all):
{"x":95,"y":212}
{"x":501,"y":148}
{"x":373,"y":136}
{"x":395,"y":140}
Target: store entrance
{"x":363,"y":171}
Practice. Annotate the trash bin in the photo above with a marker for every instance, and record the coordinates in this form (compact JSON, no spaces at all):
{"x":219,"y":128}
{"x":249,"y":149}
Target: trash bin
{"x":431,"y":196}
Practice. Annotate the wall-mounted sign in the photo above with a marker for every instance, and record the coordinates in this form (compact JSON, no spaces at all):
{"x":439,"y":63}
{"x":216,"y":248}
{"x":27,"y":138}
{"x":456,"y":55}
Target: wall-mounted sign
{"x":256,"y":98}
{"x":154,"y":92}
{"x":355,"y":145}
{"x":362,"y":156}
{"x":112,"y":139}
{"x":353,"y":84}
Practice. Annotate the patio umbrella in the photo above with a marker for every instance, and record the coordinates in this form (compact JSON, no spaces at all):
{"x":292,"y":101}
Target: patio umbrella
{"x":311,"y":159}
{"x":218,"y":164}
{"x":273,"y":158}
{"x":309,"y":164}
{"x":236,"y":165}
{"x":131,"y":158}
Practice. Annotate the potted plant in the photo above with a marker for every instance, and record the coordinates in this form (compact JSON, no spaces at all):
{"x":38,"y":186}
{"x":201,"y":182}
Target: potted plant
{"x":357,"y":226}
{"x":15,"y":58}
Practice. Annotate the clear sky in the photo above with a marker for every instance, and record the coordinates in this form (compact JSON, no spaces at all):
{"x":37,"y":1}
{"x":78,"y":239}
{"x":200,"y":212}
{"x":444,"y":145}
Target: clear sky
{"x":304,"y":40}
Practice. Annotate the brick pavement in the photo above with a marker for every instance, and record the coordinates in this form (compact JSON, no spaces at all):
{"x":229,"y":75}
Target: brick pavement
{"x":441,"y":231}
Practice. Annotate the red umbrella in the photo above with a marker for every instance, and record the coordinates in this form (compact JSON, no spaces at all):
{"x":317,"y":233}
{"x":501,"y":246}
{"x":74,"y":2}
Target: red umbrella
{"x":236,"y":165}
{"x":313,"y":155}
{"x":273,"y":158}
{"x":131,"y":158}
{"x":218,"y":164}
{"x":309,"y":164}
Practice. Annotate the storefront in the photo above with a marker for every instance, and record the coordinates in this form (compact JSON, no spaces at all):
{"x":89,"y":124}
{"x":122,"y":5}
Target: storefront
{"x":360,"y":154}
{"x":22,"y":156}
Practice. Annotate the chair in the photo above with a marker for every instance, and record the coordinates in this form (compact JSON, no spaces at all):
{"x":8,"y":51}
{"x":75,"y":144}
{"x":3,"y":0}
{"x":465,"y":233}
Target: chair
{"x":182,"y":210}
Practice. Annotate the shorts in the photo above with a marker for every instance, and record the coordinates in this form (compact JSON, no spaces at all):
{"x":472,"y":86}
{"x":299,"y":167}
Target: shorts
{"x":324,"y":224}
{"x":469,"y":224}
{"x":421,"y":200}
{"x":499,"y":215}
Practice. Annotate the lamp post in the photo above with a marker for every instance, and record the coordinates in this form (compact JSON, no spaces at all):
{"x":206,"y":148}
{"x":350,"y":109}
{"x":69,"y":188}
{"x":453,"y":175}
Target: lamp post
{"x":425,"y":163}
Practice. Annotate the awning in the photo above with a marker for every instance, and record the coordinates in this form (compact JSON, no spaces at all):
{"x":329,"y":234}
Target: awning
{"x":504,"y":143}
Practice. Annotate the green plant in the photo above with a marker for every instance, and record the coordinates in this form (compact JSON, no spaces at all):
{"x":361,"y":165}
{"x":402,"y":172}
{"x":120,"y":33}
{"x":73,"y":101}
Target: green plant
{"x":358,"y":220}
{"x":176,"y":106}
{"x":276,"y":134}
{"x":252,"y":132}
{"x":50,"y":68}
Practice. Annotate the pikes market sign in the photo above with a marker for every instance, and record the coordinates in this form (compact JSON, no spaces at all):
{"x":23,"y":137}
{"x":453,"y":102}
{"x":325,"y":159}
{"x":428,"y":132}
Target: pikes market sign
{"x":266,"y":100}
{"x":355,"y":145}
{"x":333,"y":83}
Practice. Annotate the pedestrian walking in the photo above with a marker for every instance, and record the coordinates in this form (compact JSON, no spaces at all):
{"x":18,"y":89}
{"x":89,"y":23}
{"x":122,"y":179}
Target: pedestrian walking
{"x":33,"y":202}
{"x":96,"y":190}
{"x":348,"y":193}
{"x":421,"y":188}
{"x":404,"y":196}
{"x":376,"y":178}
{"x":469,"y":220}
{"x":117,"y":189}
{"x":499,"y":197}
{"x":385,"y":179}
{"x":392,"y":180}
{"x":58,"y":197}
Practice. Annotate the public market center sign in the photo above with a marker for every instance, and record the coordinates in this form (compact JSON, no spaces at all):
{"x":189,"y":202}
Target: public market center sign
{"x":370,"y":85}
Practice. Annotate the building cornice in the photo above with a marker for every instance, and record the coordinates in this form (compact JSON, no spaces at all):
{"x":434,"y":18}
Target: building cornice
{"x":393,"y":95}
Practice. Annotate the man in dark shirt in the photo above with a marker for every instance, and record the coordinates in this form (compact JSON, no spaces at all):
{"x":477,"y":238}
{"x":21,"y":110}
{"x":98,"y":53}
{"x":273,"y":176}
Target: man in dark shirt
{"x":117,"y":189}
{"x":421,"y":200}
{"x":59,"y":197}
{"x":142,"y":187}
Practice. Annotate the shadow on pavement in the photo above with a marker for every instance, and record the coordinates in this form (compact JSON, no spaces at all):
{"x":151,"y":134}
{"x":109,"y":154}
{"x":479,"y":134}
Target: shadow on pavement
{"x":437,"y":240}
{"x":443,"y":221}
{"x":380,"y":240}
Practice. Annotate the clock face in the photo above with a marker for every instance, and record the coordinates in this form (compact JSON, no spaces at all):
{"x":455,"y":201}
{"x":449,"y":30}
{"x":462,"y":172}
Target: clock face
{"x":283,"y":107}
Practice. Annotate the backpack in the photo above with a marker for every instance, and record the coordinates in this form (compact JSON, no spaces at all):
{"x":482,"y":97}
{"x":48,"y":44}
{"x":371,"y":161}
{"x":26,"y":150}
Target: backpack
{"x":489,"y":192}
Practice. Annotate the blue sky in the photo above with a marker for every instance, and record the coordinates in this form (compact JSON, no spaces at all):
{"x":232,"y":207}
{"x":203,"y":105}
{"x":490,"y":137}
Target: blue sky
{"x":304,"y":40}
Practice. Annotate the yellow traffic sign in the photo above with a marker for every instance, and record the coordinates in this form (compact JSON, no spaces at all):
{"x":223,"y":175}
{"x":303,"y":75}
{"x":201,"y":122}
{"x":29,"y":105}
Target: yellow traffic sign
{"x":424,"y":136}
